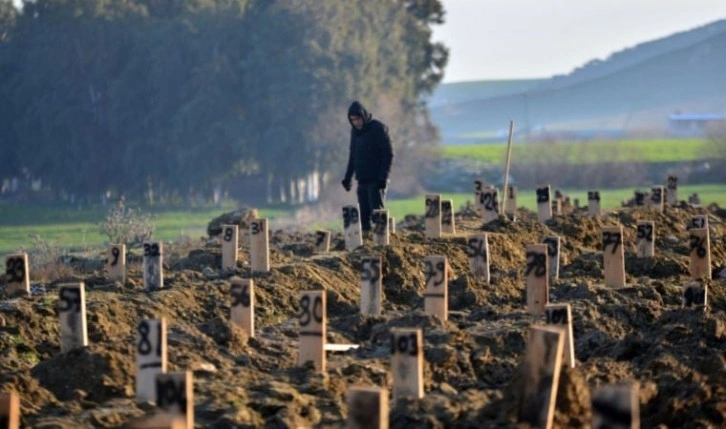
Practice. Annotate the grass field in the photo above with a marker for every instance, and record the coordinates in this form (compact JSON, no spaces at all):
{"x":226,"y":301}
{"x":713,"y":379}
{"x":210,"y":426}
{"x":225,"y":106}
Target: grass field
{"x":650,"y":151}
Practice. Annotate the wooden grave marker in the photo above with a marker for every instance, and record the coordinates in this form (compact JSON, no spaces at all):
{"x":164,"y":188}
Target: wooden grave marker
{"x":448,"y":223}
{"x":477,"y":249}
{"x":351,"y":227}
{"x":175,"y":395}
{"x":242,"y":308}
{"x":17,"y":276}
{"x":312,"y":320}
{"x":544,"y":208}
{"x":640,"y":198}
{"x":700,"y":248}
{"x":672,"y":190}
{"x":153,"y":265}
{"x":72,"y":315}
{"x":478,"y":188}
{"x":407,"y":363}
{"x":437,"y":285}
{"x":432,"y":216}
{"x":150,"y":356}
{"x":613,"y":256}
{"x":371,"y":286}
{"x":593,"y":203}
{"x":656,"y":198}
{"x":645,"y":234}
{"x":699,"y":221}
{"x":230,"y":244}
{"x":561,"y":315}
{"x":556,"y":207}
{"x":542,"y":364}
{"x":510,"y":205}
{"x":9,"y":410}
{"x":489,"y":203}
{"x":379,"y":219}
{"x":616,"y":407}
{"x":391,"y":225}
{"x":553,"y":256}
{"x":259,"y":246}
{"x":537,"y":281}
{"x":116,"y":263}
{"x":367,"y":407}
{"x":695,"y":294}
{"x":322,"y":241}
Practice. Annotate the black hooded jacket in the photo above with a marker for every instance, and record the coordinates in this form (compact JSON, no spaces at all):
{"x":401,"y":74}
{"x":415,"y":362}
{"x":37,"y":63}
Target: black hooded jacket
{"x":371,"y":153}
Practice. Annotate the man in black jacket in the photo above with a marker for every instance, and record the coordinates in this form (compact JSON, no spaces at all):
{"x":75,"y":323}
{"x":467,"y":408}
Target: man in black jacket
{"x":371,"y":156}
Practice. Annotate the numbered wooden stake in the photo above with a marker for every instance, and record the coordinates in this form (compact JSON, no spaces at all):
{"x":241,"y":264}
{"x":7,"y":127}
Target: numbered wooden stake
{"x":541,"y":375}
{"x":379,"y":219}
{"x":613,"y":256}
{"x":407,"y":363}
{"x":9,"y":411}
{"x":616,"y":407}
{"x":242,"y":309}
{"x":371,"y":286}
{"x":672,"y":193}
{"x":560,"y":315}
{"x":699,"y":221}
{"x":150,"y":356}
{"x":477,"y":249}
{"x":700,"y":247}
{"x":153,"y":265}
{"x":312,"y":321}
{"x":392,"y":225}
{"x":695,"y":294}
{"x":367,"y":407}
{"x":17,"y":276}
{"x":640,"y":198}
{"x":544,"y":209}
{"x":72,"y":315}
{"x":489,"y":203}
{"x":437,"y":285}
{"x":593,"y":203}
{"x":230,"y":243}
{"x":352,"y":228}
{"x":553,"y":256}
{"x":259,"y":246}
{"x":322,"y":241}
{"x":646,"y":239}
{"x":447,"y":217}
{"x":511,"y":204}
{"x":116,"y":263}
{"x":656,"y":198}
{"x":175,"y":395}
{"x":432,"y":217}
{"x":556,"y":207}
{"x":478,"y":188}
{"x":537,"y":281}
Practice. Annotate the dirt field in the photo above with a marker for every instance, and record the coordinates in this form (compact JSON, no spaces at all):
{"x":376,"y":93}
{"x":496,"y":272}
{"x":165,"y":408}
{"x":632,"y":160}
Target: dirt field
{"x":639,"y":332}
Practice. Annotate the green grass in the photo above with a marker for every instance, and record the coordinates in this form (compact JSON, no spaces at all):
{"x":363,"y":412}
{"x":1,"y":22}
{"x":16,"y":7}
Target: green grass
{"x":650,"y":151}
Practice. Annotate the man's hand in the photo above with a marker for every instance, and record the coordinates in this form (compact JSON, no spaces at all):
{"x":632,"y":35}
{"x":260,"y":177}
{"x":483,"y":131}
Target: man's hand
{"x":346,"y":184}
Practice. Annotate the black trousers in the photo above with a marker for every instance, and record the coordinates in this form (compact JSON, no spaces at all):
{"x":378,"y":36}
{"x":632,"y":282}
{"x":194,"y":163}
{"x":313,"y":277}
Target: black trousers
{"x":369,"y":198}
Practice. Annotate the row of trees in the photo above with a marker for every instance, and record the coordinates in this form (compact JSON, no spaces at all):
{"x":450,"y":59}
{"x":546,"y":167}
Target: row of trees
{"x":174,"y":95}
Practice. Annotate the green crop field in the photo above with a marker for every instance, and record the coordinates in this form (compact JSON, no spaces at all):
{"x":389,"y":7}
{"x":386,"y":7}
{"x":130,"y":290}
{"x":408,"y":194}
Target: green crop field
{"x":648,"y":151}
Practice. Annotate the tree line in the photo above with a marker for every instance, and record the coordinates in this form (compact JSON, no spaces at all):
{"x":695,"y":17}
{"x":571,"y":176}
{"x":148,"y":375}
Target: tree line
{"x":168,"y":97}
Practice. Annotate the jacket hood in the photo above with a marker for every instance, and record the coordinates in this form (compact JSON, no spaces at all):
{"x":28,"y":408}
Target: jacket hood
{"x":357,"y":109}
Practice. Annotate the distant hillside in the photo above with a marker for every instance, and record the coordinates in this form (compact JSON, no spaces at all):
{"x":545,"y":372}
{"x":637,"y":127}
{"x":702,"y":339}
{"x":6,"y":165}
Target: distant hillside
{"x":459,"y":92}
{"x":633,"y":90}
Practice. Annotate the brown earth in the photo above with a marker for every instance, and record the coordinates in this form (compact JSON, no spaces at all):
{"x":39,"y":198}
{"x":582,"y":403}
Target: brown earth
{"x":639,"y":332}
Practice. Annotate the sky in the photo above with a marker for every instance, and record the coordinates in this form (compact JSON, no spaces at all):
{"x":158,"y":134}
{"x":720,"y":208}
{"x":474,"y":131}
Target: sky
{"x":512,"y":39}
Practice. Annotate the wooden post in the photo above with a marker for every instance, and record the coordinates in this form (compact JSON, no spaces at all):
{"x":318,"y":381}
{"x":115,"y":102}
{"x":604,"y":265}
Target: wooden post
{"x":116,"y":263}
{"x":553,"y":256}
{"x":542,"y":364}
{"x":593,"y":203}
{"x":371,"y":286}
{"x":391,"y":225}
{"x":537,"y":281}
{"x":508,"y":163}
{"x":639,"y":198}
{"x":437,"y":282}
{"x":352,"y":228}
{"x":556,"y":207}
{"x":175,"y":395}
{"x":367,"y":407}
{"x":699,"y":221}
{"x":511,"y":206}
{"x":613,"y":256}
{"x":616,"y":407}
{"x":72,"y":315}
{"x":379,"y":219}
{"x":544,"y":209}
{"x":322,"y":241}
{"x":477,"y":249}
{"x":150,"y":356}
{"x":656,"y":198}
{"x":432,"y":216}
{"x":242,"y":309}
{"x":230,"y":244}
{"x":407,"y":363}
{"x":700,"y":248}
{"x":695,"y":294}
{"x":17,"y":276}
{"x":560,"y":315}
{"x":259,"y":246}
{"x":646,"y":239}
{"x":153,"y":265}
{"x":672,"y":193}
{"x":312,"y":320}
{"x":478,"y":188}
{"x":448,"y":223}
{"x":9,"y":411}
{"x":489,"y":202}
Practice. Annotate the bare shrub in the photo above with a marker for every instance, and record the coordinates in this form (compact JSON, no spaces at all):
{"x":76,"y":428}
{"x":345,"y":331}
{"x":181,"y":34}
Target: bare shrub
{"x":128,"y":226}
{"x":45,"y":259}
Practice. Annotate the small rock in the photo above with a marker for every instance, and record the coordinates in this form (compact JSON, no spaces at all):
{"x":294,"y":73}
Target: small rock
{"x":209,"y":273}
{"x":447,"y":389}
{"x":202,"y":368}
{"x":671,"y":239}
